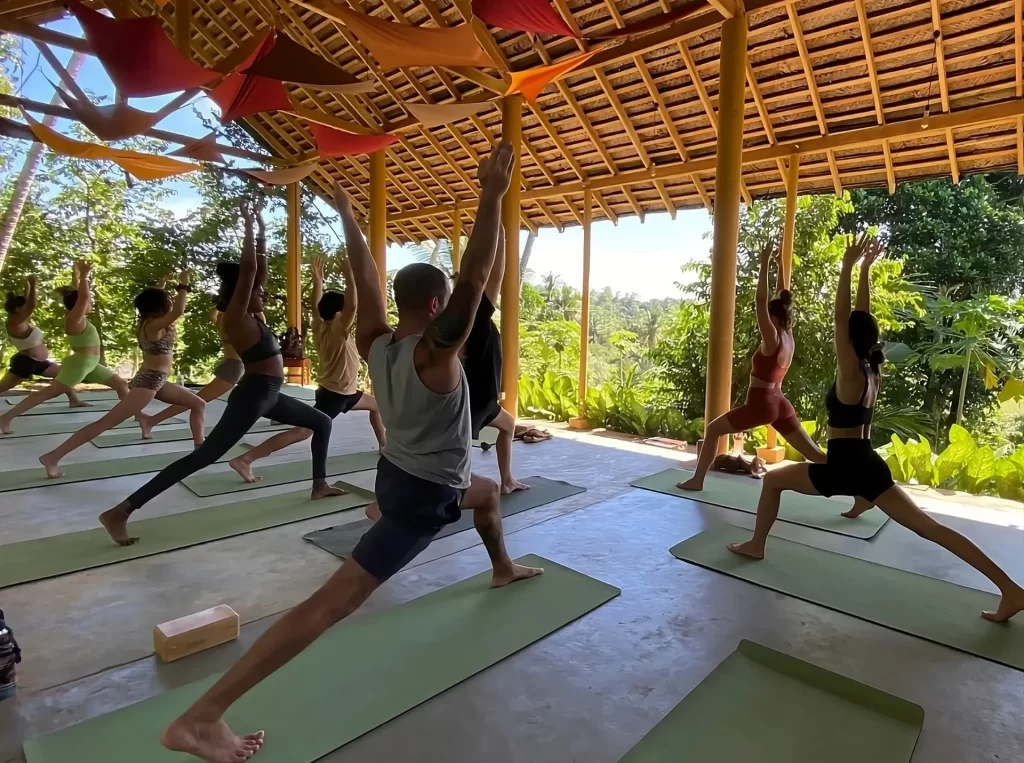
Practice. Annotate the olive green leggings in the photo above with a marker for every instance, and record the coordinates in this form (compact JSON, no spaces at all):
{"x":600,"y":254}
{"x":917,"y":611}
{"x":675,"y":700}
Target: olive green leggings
{"x":79,"y":367}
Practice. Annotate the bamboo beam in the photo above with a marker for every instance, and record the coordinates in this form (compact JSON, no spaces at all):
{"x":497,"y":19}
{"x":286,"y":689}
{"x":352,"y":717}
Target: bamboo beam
{"x":725,"y":7}
{"x":940,"y":53}
{"x":511,"y":131}
{"x":36,"y":33}
{"x":1020,"y":145}
{"x":954,"y":166}
{"x":293,"y":264}
{"x":183,"y":26}
{"x":876,"y":90}
{"x":1018,"y":45}
{"x":789,"y":223}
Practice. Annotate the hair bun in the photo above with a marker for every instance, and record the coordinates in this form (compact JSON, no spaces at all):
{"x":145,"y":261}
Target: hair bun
{"x":786,"y":296}
{"x":223,"y":268}
{"x":876,"y":356}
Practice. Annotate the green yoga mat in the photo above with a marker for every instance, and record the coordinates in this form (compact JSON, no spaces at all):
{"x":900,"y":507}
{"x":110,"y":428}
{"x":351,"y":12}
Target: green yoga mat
{"x":89,"y":395}
{"x":101,"y":406}
{"x":61,"y":554}
{"x":42,"y":425}
{"x":361,"y":674}
{"x":22,"y":479}
{"x":742,"y":494}
{"x":766,"y":706}
{"x":342,"y":539}
{"x":178,"y":434}
{"x":920,"y":606}
{"x":221,"y":482}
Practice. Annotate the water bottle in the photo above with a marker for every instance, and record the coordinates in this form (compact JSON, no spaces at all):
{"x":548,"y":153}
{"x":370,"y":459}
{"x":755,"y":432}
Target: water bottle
{"x":10,"y":655}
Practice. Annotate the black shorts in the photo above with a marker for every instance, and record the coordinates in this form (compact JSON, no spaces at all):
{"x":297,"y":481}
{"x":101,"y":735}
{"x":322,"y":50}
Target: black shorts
{"x":481,"y":418}
{"x":334,"y":403}
{"x":854,"y":469}
{"x":413,"y":511}
{"x":25,"y":366}
{"x":481,"y":357}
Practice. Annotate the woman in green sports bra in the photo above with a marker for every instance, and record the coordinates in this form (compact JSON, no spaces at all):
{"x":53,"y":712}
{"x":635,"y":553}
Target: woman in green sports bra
{"x":83,"y":364}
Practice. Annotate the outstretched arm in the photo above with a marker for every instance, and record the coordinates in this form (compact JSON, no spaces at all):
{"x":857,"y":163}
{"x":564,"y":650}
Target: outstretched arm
{"x":348,"y":314}
{"x":262,"y":268}
{"x":497,"y":269}
{"x":446,"y":335}
{"x":79,"y":311}
{"x":872,"y":251}
{"x":846,"y":356}
{"x":372,"y":315}
{"x":178,"y":308}
{"x":318,"y":288}
{"x":248,"y":269}
{"x":30,"y":294}
{"x":769,"y":335}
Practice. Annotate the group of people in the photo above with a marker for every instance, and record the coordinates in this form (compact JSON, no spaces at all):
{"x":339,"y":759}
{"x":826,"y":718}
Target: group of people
{"x":436,"y":380}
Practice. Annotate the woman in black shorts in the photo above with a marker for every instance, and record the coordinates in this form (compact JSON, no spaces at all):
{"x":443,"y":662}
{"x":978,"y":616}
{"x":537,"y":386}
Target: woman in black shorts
{"x":853,"y":467}
{"x":257,"y":394}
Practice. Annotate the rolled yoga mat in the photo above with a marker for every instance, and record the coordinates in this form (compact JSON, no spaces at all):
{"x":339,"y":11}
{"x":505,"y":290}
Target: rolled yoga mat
{"x":359,"y":675}
{"x":22,"y":479}
{"x":766,"y":706}
{"x":227,"y":481}
{"x":342,"y":539}
{"x":61,"y":554}
{"x":931,"y":609}
{"x":48,"y":409}
{"x":44,"y":425}
{"x":742,"y":494}
{"x":119,"y":439}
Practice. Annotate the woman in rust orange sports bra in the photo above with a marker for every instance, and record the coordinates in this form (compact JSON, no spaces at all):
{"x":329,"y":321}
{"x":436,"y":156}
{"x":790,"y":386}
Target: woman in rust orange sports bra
{"x":765,"y":403}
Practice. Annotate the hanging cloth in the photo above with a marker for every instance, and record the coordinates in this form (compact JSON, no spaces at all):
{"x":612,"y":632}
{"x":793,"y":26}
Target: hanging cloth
{"x":531,"y":81}
{"x":522,"y":16}
{"x":435,"y":115}
{"x":290,"y":62}
{"x":139,"y":57}
{"x":396,"y":46}
{"x":241,"y":95}
{"x":110,"y":122}
{"x":143,"y":166}
{"x":202,"y":150}
{"x":283,"y":175}
{"x":331,"y":142}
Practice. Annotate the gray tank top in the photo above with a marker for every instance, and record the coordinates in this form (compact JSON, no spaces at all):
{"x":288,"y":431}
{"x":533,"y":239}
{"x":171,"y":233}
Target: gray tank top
{"x":428,"y":434}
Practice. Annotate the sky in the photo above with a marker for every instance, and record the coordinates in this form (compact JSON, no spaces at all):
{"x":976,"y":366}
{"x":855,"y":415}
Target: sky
{"x":631,"y":257}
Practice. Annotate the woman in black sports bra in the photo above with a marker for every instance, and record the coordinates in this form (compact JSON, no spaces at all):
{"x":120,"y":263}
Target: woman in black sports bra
{"x":256,"y":395}
{"x":853,"y":467}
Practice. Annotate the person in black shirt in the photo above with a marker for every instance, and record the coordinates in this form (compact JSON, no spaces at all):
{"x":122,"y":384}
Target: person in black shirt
{"x":482,"y":360}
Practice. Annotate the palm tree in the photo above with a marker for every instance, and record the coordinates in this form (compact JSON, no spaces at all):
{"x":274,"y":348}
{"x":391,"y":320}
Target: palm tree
{"x":439,"y":255}
{"x":549,"y":285}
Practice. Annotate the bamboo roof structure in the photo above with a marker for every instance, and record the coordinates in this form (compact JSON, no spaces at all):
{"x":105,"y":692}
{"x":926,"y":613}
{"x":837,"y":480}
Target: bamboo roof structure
{"x":866,"y":93}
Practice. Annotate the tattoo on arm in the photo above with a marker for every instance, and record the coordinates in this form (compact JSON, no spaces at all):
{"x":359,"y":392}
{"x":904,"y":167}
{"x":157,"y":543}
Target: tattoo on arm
{"x":449,"y":330}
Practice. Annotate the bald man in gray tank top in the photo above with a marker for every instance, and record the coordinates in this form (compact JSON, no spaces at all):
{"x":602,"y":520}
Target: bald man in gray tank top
{"x":423,"y":477}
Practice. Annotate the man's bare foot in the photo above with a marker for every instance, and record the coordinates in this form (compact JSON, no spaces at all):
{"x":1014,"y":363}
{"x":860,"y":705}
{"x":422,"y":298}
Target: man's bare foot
{"x":244,"y":469}
{"x":210,"y":741}
{"x":373,"y":512}
{"x":512,"y":572}
{"x":749,"y":548}
{"x":115,"y":521}
{"x":860,"y":505}
{"x":511,"y":485}
{"x":79,"y":404}
{"x":5,"y":425}
{"x":691,"y":484}
{"x":146,"y":425}
{"x":1011,"y":604}
{"x":323,"y":490}
{"x":52,"y":466}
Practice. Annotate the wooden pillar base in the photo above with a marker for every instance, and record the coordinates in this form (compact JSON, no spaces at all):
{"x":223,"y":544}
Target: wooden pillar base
{"x":580,"y":425}
{"x":772,"y":455}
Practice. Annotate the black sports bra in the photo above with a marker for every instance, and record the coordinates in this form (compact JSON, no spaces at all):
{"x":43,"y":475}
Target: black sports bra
{"x":845,"y":416}
{"x":266,"y":346}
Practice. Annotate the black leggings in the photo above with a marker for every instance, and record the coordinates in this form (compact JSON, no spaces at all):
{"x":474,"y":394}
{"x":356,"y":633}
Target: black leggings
{"x":255,"y":395}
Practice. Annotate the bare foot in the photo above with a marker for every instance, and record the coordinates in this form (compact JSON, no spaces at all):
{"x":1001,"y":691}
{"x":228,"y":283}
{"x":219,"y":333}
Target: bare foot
{"x":5,"y":425}
{"x":513,"y":572}
{"x":210,"y":741}
{"x":52,"y":466}
{"x":146,"y":425}
{"x":115,"y":521}
{"x":80,"y":404}
{"x":1009,"y":605}
{"x":691,"y":484}
{"x":749,"y":548}
{"x":323,"y":490}
{"x":860,"y":505}
{"x":373,"y":512}
{"x":244,"y":469}
{"x":511,"y":485}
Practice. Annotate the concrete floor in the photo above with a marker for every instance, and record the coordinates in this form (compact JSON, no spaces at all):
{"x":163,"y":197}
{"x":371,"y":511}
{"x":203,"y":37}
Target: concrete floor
{"x":588,"y":692}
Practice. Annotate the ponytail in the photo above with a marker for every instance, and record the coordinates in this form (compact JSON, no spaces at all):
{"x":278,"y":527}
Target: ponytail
{"x":876,"y":357}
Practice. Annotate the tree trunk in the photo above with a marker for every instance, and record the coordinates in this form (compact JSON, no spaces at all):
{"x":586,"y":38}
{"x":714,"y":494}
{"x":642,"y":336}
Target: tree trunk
{"x":525,"y":259}
{"x":23,"y":186}
{"x":963,"y":390}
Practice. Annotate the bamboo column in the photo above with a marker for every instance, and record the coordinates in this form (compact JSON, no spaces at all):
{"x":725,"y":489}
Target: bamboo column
{"x":580,"y":422}
{"x":728,"y":172}
{"x":379,"y":218}
{"x":456,"y":238}
{"x":789,"y":231}
{"x":512,"y":131}
{"x":293,"y":269}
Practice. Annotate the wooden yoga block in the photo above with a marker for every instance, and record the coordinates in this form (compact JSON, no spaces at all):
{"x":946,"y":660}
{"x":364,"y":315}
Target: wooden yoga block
{"x":194,"y":633}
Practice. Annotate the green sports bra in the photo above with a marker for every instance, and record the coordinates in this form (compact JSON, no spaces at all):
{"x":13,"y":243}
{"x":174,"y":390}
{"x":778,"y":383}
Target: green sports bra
{"x":86,"y":340}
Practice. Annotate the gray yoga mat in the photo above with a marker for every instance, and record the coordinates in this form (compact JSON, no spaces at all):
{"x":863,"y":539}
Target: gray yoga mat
{"x":23,"y":479}
{"x":742,"y":494}
{"x":62,"y":554}
{"x":227,"y":481}
{"x":177,"y":434}
{"x":36,"y":426}
{"x":49,"y":409}
{"x":342,"y":539}
{"x":89,"y":395}
{"x":766,"y":706}
{"x":359,"y":675}
{"x":920,"y":606}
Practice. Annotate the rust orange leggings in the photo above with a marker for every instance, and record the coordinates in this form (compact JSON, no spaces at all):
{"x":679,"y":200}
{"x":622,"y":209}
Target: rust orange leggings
{"x":764,"y":405}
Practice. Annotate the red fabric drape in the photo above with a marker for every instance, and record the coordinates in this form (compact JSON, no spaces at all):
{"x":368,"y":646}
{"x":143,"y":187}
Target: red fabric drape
{"x":522,"y":16}
{"x":332,"y":142}
{"x":241,"y":95}
{"x":139,"y":58}
{"x":290,"y":62}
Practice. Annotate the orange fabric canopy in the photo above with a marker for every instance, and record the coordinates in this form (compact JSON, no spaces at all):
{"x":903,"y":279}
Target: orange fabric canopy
{"x":399,"y":45}
{"x":531,"y":81}
{"x":332,"y":142}
{"x":142,"y":166}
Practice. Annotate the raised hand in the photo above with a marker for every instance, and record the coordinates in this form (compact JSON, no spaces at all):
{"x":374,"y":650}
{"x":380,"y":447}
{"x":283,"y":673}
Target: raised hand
{"x":84,"y":268}
{"x":873,"y":251}
{"x":769,"y":251}
{"x":183,"y":278}
{"x":496,"y":170}
{"x":856,"y":247}
{"x":318,"y":269}
{"x":31,"y":281}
